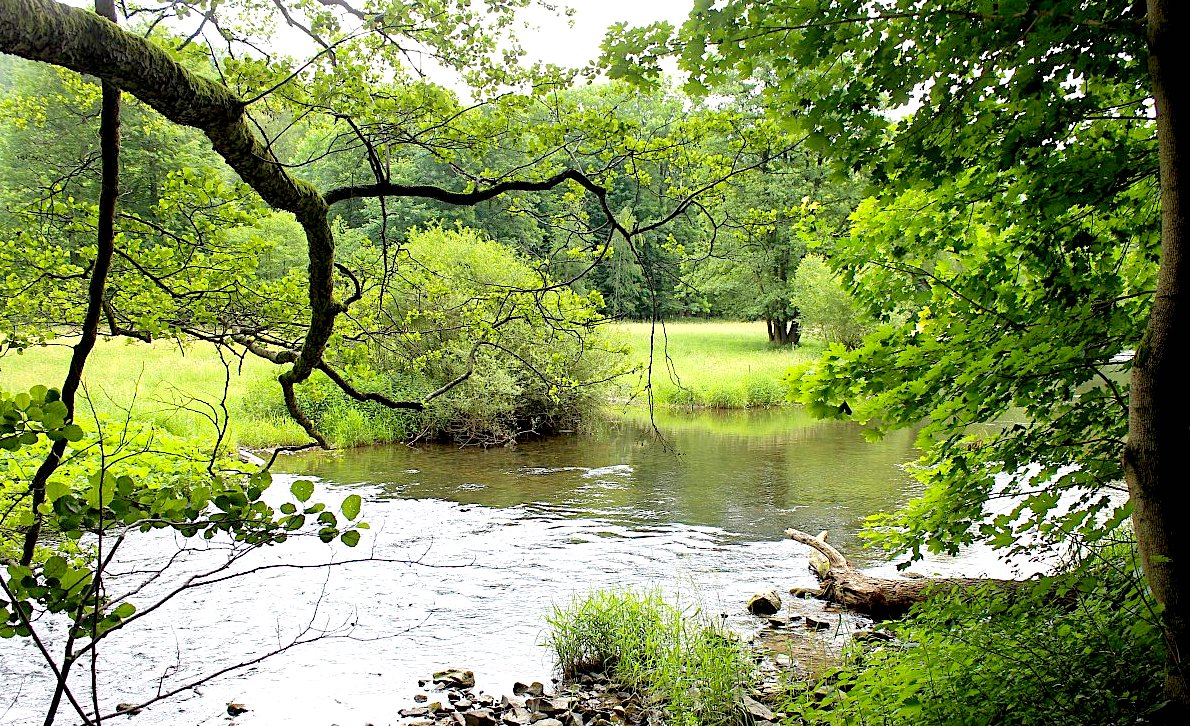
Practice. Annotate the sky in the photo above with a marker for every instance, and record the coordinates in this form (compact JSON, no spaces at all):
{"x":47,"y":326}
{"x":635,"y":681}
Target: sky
{"x":556,"y":43}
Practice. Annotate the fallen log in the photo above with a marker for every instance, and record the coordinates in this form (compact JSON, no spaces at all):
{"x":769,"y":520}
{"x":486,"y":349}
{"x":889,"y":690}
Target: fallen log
{"x":879,"y":597}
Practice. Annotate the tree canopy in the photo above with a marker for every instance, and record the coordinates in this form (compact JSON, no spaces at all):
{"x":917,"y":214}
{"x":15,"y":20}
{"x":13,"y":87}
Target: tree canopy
{"x":1026,"y":214}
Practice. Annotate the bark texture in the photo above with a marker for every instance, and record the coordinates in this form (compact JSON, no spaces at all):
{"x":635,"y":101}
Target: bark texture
{"x":1157,"y":453}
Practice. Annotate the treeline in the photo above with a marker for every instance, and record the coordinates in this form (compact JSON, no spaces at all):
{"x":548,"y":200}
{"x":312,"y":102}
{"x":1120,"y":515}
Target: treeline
{"x":733,"y":255}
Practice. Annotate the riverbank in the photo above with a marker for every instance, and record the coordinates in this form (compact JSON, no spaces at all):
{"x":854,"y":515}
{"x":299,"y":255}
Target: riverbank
{"x":783,"y":651}
{"x":190,"y":389}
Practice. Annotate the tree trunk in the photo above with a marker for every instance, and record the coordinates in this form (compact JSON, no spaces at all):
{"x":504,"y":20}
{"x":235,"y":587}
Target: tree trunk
{"x":783,"y":332}
{"x":879,"y":597}
{"x":1157,"y":454}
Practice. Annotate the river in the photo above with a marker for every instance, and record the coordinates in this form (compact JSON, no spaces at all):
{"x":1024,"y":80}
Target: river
{"x":471,"y":548}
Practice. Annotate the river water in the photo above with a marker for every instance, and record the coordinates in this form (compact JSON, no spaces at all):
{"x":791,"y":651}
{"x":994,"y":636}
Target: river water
{"x":468,"y":551}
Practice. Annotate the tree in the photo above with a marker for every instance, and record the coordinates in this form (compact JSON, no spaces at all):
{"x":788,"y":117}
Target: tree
{"x":1029,"y":207}
{"x":793,"y":202}
{"x":188,"y":257}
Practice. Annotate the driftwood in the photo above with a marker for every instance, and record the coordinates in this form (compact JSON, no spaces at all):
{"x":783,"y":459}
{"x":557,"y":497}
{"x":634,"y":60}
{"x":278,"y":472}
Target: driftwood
{"x":879,"y":597}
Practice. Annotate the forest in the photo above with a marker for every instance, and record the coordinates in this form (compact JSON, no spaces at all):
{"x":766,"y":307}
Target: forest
{"x":378,"y":222}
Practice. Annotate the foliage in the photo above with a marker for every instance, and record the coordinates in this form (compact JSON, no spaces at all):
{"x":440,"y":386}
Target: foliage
{"x":516,"y":354}
{"x":791,"y":203}
{"x":346,"y":422}
{"x":1022,"y":288}
{"x":124,"y":478}
{"x":826,"y":308}
{"x":1080,"y":649}
{"x":687,"y":662}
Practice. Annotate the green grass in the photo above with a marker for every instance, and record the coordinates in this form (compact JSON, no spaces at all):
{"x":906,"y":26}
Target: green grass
{"x":684,"y":662}
{"x":710,"y":364}
{"x":178,"y":389}
{"x":1093,"y":655}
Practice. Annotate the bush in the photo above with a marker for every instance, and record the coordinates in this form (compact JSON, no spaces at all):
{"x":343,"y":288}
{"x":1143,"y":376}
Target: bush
{"x":825,"y":308}
{"x":686,"y":662}
{"x":988,"y":658}
{"x":531,"y":355}
{"x":343,"y":421}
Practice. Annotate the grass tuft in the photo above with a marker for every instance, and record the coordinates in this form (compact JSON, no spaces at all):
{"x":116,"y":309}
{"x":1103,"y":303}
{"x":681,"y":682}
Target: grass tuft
{"x":685,"y":662}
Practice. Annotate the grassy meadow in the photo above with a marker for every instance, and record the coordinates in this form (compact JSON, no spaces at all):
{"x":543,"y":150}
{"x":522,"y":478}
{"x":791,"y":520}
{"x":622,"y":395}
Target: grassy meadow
{"x":712,"y":364}
{"x":176,"y":387}
{"x":699,"y":364}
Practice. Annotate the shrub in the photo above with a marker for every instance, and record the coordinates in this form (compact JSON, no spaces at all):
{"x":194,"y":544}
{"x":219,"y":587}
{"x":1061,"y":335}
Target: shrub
{"x":1040,"y":657}
{"x":685,"y":661}
{"x":534,"y":354}
{"x":531,"y":355}
{"x":825,"y":308}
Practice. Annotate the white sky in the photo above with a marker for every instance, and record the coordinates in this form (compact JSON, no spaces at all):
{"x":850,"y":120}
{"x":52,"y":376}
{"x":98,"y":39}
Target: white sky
{"x":554,"y":42}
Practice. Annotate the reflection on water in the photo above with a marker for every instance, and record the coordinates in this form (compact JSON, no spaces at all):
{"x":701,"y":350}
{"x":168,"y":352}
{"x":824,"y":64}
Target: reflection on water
{"x":752,"y":474}
{"x":472,"y":547}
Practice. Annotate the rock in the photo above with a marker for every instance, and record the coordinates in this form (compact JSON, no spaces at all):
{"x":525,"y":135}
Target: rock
{"x":783,"y":660}
{"x":518,"y":716}
{"x":777,"y":621}
{"x":455,"y":678}
{"x":414,"y":712}
{"x":479,"y":717}
{"x":128,"y":708}
{"x":463,"y":704}
{"x":548,"y":722}
{"x":533,"y":689}
{"x":816,"y":624}
{"x":765,"y":603}
{"x":548,"y":706}
{"x":804,"y":592}
{"x":235,"y":709}
{"x":757,"y":710}
{"x":421,"y":698}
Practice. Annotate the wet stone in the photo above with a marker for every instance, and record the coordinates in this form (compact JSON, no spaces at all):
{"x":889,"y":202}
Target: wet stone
{"x":533,"y":689}
{"x":479,"y":717}
{"x":765,"y":603}
{"x":455,"y":678}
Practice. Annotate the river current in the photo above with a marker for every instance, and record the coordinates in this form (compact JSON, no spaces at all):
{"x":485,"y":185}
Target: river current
{"x":468,"y":550}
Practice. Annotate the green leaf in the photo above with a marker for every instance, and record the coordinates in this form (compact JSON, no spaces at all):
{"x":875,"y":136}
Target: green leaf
{"x":351,"y":506}
{"x":124,"y":610}
{"x":54,"y":567}
{"x":302,"y":489}
{"x":350,"y":538}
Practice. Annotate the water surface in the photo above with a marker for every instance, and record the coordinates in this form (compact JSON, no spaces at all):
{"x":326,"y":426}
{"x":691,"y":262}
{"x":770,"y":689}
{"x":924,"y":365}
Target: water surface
{"x":470,"y":550}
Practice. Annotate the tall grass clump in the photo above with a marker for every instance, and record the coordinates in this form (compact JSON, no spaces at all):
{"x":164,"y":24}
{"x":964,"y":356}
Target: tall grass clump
{"x":684,"y":662}
{"x":1082,"y":648}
